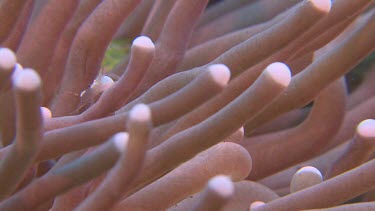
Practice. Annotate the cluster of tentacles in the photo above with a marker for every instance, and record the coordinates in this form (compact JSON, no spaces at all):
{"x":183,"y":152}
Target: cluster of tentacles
{"x":237,"y":105}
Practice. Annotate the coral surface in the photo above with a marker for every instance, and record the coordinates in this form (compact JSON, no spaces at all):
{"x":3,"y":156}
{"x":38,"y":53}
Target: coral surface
{"x":187,"y":105}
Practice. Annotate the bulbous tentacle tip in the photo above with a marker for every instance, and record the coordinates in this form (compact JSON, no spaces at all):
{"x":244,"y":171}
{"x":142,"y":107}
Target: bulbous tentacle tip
{"x":366,"y":128}
{"x":143,"y":41}
{"x":7,"y":59}
{"x":102,"y":82}
{"x":279,"y":72}
{"x":121,"y":141}
{"x":322,"y":5}
{"x":46,"y":112}
{"x":140,"y":112}
{"x":256,"y":204}
{"x":310,"y":170}
{"x":221,"y":185}
{"x":220,"y":73}
{"x":27,"y":80}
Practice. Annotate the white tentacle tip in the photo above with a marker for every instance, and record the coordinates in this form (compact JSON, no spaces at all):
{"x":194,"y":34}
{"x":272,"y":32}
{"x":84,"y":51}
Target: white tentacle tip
{"x":310,"y":170}
{"x":366,"y":128}
{"x":28,"y":79}
{"x":221,"y":185}
{"x":102,"y":82}
{"x":241,"y":130}
{"x":7,"y":59}
{"x":121,"y":141}
{"x":322,"y":5}
{"x":46,"y":113}
{"x":304,"y":178}
{"x":279,"y":72}
{"x":140,"y":112}
{"x":220,"y":73}
{"x":105,"y":80}
{"x":256,"y":204}
{"x":143,"y":41}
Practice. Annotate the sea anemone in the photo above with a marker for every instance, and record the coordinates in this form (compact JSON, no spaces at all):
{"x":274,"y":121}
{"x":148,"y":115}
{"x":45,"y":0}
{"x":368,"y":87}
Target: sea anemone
{"x":215,"y":105}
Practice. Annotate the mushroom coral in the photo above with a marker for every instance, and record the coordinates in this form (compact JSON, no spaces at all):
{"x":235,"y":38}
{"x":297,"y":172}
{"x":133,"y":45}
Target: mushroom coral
{"x":216,"y":105}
